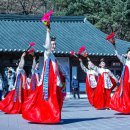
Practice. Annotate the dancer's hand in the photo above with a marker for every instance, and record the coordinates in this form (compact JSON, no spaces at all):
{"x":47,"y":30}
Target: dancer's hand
{"x":88,"y":58}
{"x":80,"y":59}
{"x":24,"y":54}
{"x":48,"y":29}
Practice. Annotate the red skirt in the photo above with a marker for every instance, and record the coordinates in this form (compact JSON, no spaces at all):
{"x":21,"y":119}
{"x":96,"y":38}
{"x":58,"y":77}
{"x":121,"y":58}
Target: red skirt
{"x":36,"y":109}
{"x":8,"y":105}
{"x":102,"y":97}
{"x":121,"y":102}
{"x":89,"y":91}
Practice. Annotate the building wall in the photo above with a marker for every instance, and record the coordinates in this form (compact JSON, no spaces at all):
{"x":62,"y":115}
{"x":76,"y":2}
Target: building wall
{"x":70,"y":64}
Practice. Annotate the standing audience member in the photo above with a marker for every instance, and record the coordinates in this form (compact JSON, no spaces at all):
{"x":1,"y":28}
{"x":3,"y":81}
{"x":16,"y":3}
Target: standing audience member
{"x":75,"y":87}
{"x":9,"y":79}
{"x":1,"y":86}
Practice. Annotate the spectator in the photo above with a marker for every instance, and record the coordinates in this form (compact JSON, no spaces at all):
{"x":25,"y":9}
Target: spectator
{"x":1,"y":87}
{"x":75,"y":87}
{"x":9,"y":79}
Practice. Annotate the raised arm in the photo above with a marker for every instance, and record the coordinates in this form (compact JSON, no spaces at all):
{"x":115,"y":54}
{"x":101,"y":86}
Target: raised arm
{"x":94,"y":67}
{"x":121,"y":58}
{"x":83,"y":67}
{"x":113,"y":76}
{"x":47,"y":45}
{"x":33,"y":65}
{"x":22,"y":62}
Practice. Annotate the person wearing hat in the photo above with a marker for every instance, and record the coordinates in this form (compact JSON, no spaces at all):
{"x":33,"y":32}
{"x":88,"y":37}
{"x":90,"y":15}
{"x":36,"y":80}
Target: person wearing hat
{"x":120,"y":100}
{"x":45,"y":103}
{"x":12,"y":104}
{"x":106,"y":83}
{"x":91,"y":81}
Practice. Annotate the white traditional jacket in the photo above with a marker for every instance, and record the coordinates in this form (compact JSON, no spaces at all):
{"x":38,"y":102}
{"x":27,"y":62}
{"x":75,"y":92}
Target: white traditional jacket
{"x":48,"y":54}
{"x":107,"y":74}
{"x":90,"y":75}
{"x":125,"y":62}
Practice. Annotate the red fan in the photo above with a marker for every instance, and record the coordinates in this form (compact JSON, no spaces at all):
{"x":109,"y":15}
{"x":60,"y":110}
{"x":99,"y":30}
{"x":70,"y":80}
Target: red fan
{"x":111,"y":38}
{"x":46,"y":18}
{"x":82,"y":51}
{"x":31,"y":52}
{"x":72,"y":53}
{"x":30,"y":45}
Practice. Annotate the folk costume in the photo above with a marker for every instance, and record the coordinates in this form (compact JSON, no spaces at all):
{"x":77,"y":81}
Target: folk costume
{"x":91,"y":82}
{"x":12,"y":104}
{"x":106,"y":83}
{"x":120,"y":100}
{"x":45,"y":103}
{"x":35,"y":77}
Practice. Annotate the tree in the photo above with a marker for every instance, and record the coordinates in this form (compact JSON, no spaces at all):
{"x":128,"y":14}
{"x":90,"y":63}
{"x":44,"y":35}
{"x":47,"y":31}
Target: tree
{"x":107,"y":15}
{"x":23,"y":6}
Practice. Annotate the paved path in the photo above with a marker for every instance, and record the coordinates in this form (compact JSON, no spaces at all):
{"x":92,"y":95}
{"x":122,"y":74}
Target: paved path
{"x":76,"y":115}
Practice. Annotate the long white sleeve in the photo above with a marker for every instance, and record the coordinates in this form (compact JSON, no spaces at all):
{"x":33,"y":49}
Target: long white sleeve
{"x":21,"y":63}
{"x":121,"y":58}
{"x":112,"y":75}
{"x":48,"y":41}
{"x":94,"y":67}
{"x":33,"y":66}
{"x":83,"y":67}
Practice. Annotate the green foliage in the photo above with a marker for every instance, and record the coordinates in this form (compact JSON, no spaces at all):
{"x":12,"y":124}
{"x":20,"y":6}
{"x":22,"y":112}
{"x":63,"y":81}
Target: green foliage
{"x":107,"y":15}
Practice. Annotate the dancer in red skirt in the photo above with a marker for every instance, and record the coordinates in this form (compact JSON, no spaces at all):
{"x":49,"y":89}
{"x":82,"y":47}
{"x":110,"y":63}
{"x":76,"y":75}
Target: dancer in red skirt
{"x":106,"y":82}
{"x":120,"y":100}
{"x":45,"y":103}
{"x":12,"y":104}
{"x":91,"y":81}
{"x":35,"y":78}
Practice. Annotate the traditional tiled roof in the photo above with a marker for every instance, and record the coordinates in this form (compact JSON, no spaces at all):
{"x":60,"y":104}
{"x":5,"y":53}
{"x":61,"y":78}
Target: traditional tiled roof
{"x":71,"y":32}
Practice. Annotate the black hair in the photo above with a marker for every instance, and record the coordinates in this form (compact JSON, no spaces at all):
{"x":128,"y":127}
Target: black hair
{"x":102,"y":60}
{"x":128,"y":49}
{"x":37,"y":61}
{"x":10,"y":71}
{"x":17,"y":62}
{"x":53,"y":38}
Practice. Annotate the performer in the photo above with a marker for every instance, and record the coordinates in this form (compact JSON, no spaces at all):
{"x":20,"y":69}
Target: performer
{"x":91,"y":81}
{"x":35,"y":78}
{"x":12,"y":104}
{"x":45,"y":103}
{"x":106,"y":82}
{"x":120,"y":100}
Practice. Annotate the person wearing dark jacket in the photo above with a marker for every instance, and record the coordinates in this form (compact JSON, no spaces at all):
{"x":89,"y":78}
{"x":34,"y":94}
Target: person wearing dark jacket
{"x":75,"y":87}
